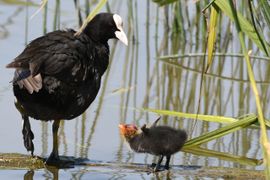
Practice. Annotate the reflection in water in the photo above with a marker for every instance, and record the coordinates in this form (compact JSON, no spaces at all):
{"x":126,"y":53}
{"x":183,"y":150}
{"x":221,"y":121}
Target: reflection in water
{"x":167,"y":176}
{"x":44,"y":138}
{"x":29,"y":175}
{"x":171,"y":84}
{"x":138,"y":171}
{"x":54,"y":173}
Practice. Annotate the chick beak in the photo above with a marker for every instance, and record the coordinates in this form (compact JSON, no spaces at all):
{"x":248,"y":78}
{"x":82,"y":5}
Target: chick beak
{"x":122,"y":129}
{"x":121,"y":126}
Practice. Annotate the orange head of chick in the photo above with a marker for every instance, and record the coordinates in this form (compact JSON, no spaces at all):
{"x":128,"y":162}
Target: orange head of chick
{"x":128,"y":131}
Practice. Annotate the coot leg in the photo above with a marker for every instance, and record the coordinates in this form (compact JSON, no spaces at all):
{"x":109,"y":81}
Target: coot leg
{"x":54,"y":157}
{"x":28,"y":135}
{"x":158,"y":164}
{"x":167,"y":164}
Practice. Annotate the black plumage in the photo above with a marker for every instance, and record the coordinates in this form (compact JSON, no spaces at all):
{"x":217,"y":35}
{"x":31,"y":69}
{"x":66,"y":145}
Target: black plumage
{"x":157,"y":140}
{"x":58,"y":75}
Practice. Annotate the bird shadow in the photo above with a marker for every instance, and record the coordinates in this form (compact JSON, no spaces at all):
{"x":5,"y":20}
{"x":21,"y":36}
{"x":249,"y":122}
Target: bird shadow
{"x":65,"y":162}
{"x":150,"y":168}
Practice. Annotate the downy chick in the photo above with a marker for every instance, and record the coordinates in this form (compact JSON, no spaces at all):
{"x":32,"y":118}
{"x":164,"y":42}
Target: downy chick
{"x":157,"y":140}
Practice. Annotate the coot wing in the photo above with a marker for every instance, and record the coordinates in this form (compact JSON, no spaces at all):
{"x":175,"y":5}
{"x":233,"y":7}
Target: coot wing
{"x":57,"y":54}
{"x":155,"y":123}
{"x":51,"y":53}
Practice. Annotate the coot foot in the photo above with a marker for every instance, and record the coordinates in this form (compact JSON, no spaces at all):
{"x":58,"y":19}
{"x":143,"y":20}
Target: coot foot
{"x":157,"y":167}
{"x":153,"y":165}
{"x":53,"y":159}
{"x":28,"y":135}
{"x":60,"y":161}
{"x":166,"y":167}
{"x":167,"y":164}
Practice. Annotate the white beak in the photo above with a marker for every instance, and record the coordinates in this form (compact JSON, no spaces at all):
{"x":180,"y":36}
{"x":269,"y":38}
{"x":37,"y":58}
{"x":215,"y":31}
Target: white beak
{"x":121,"y":36}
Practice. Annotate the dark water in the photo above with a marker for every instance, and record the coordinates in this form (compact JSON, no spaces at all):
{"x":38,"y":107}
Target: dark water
{"x":135,"y":80}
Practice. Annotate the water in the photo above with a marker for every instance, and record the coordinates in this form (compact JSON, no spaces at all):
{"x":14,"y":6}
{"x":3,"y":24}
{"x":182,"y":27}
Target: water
{"x":135,"y":80}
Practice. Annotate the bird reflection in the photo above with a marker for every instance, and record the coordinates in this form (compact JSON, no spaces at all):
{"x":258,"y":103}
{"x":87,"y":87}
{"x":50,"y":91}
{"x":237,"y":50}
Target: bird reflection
{"x":54,"y":171}
{"x":29,"y":175}
{"x":166,"y":175}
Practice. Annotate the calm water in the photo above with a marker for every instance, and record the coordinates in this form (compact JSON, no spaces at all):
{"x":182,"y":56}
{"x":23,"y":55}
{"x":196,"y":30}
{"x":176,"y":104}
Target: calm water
{"x":135,"y":80}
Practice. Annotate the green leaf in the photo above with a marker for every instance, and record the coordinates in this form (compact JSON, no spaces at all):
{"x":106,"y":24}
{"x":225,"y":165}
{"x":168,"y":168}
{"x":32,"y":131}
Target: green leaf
{"x":164,"y":2}
{"x":212,"y":34}
{"x":264,"y":137}
{"x":210,"y":118}
{"x":264,"y":5}
{"x":91,"y":15}
{"x":246,"y":27}
{"x":191,"y":55}
{"x":18,"y":2}
{"x":43,"y":4}
{"x":221,"y":155}
{"x":239,"y":124}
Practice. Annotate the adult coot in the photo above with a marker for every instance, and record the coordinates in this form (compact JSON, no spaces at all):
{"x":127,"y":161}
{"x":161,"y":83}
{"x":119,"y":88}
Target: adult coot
{"x":58,"y":75}
{"x":157,"y":140}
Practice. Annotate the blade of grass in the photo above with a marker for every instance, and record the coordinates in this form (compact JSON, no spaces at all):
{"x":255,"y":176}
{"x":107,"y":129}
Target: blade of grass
{"x":43,"y":3}
{"x":91,"y":15}
{"x":224,"y":156}
{"x":45,"y":16}
{"x":212,"y":75}
{"x":263,"y":42}
{"x":264,"y":137}
{"x":78,"y":9}
{"x":178,"y":56}
{"x":240,"y":124}
{"x":212,"y":34}
{"x":246,"y":27}
{"x":19,"y":2}
{"x":210,"y":118}
{"x":56,"y":19}
{"x":266,"y":11}
{"x":164,"y":2}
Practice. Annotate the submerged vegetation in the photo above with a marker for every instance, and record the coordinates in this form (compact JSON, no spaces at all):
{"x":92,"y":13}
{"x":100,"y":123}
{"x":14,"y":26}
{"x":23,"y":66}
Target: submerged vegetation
{"x":202,"y":65}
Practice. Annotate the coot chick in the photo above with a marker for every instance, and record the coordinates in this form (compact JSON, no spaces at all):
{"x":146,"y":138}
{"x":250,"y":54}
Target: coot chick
{"x":157,"y":140}
{"x":58,"y":75}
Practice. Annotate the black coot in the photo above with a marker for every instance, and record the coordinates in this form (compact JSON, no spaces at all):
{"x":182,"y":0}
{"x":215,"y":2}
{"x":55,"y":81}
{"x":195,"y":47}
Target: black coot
{"x":58,"y":75}
{"x":157,"y":140}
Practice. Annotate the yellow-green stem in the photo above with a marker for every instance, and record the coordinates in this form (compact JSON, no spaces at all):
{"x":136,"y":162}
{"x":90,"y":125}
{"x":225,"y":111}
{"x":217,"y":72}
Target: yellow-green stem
{"x":264,"y":138}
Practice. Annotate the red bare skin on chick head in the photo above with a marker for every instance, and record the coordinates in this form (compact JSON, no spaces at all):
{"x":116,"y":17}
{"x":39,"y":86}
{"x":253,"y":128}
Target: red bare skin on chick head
{"x":128,"y":130}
